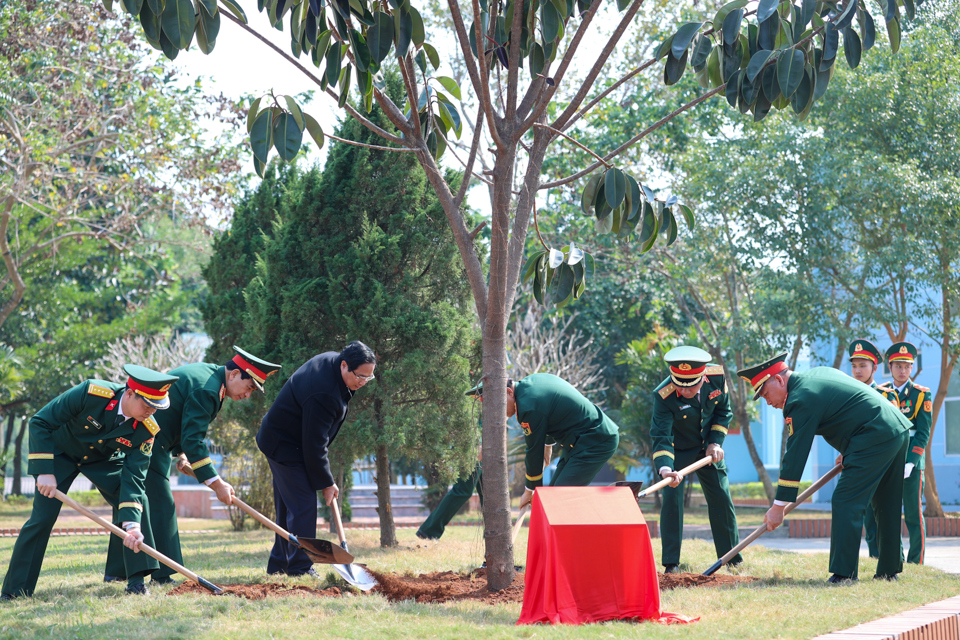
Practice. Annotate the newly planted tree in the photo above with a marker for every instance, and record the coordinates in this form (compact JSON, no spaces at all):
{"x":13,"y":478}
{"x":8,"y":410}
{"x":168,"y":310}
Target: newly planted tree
{"x":531,"y":80}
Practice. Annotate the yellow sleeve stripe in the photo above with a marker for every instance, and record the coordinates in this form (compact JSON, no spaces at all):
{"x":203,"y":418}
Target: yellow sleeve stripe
{"x":717,"y":427}
{"x":133,"y":505}
{"x":790,"y":484}
{"x":200,"y":463}
{"x":534,"y":478}
{"x":663,"y":453}
{"x":40,"y":456}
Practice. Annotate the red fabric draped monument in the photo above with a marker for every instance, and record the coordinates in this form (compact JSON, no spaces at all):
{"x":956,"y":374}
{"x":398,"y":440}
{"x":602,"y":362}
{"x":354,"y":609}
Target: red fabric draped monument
{"x":589,"y":559}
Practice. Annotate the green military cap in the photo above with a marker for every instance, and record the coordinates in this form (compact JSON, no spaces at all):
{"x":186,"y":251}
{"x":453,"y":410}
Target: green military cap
{"x":254,"y":367}
{"x":758,"y":374}
{"x":866,"y":350}
{"x":150,"y":385}
{"x":901,"y":352}
{"x":687,"y":365}
{"x":475,"y":392}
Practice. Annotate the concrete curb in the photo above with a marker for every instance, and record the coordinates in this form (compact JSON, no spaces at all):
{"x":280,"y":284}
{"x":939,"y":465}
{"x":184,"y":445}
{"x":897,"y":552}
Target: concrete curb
{"x":937,"y":620}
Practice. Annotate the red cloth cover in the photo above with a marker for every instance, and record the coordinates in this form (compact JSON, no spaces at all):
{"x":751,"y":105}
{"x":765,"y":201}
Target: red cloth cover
{"x":589,"y":558}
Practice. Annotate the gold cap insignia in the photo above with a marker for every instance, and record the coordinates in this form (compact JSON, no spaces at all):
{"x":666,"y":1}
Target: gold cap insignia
{"x":858,"y":347}
{"x":903,"y":349}
{"x":684,"y":367}
{"x":164,"y":388}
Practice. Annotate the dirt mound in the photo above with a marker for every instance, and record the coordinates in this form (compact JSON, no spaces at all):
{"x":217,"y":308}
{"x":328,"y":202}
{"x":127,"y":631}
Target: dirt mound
{"x":446,"y":586}
{"x":684,"y":580}
{"x":257,"y":591}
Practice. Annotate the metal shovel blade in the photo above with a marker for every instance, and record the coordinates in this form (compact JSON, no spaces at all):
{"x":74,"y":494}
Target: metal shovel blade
{"x":357,"y":575}
{"x":324,"y":551}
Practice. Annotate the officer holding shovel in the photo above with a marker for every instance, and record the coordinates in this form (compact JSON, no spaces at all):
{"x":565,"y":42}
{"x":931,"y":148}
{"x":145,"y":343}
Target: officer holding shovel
{"x":104,"y":430}
{"x":691,"y":414}
{"x":195,"y":401}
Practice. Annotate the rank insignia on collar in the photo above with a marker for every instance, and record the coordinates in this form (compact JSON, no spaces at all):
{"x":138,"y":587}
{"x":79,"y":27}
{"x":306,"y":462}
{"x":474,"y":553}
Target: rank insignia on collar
{"x":714,"y":394}
{"x":526,"y":428}
{"x":223,"y":392}
{"x":125,"y":442}
{"x":112,"y":404}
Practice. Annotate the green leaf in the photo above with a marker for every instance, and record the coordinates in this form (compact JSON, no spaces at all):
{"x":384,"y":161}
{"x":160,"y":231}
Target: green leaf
{"x":687,"y":216}
{"x":648,"y":224}
{"x":403,"y":29}
{"x":756,"y":63}
{"x":604,"y":225}
{"x":911,"y":9}
{"x":109,"y":5}
{"x":150,"y":22}
{"x":168,"y":48}
{"x":767,"y":32}
{"x":655,"y":226}
{"x":804,"y":92}
{"x":852,"y":48}
{"x":766,"y":8}
{"x":831,"y":42}
{"x":683,"y":37}
{"x":731,"y":26}
{"x":287,"y":137}
{"x":701,"y":51}
{"x":589,"y":196}
{"x":380,"y":37}
{"x":790,"y":71}
{"x":294,"y":110}
{"x":207,"y":30}
{"x":733,"y":88}
{"x":536,"y":60}
{"x":893,"y":30}
{"x":333,"y":64}
{"x":261,"y":134}
{"x":807,"y":8}
{"x":665,"y":46}
{"x":344,"y":85}
{"x":259,"y":167}
{"x":178,"y":22}
{"x":530,"y":267}
{"x":133,"y":6}
{"x":323,"y":44}
{"x":771,"y":88}
{"x":725,"y":11}
{"x":810,"y":80}
{"x":846,"y":16}
{"x":635,"y":198}
{"x":210,"y":6}
{"x":450,"y":85}
{"x":868,"y":31}
{"x":361,"y":53}
{"x":673,"y":69}
{"x":670,"y":226}
{"x":550,"y":19}
{"x":313,"y":127}
{"x":418,"y":32}
{"x":713,"y":68}
{"x":233,"y":8}
{"x":563,"y":282}
{"x":615,"y":187}
{"x":433,"y":56}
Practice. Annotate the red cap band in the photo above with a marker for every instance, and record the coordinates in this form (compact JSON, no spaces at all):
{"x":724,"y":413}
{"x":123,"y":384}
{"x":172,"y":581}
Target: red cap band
{"x":249,"y":368}
{"x":153,"y":394}
{"x":772,"y":370}
{"x":865,"y":354}
{"x":687,"y":372}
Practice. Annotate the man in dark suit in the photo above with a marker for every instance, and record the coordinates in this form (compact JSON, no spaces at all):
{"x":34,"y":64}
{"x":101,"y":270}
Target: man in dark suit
{"x":295,"y":436}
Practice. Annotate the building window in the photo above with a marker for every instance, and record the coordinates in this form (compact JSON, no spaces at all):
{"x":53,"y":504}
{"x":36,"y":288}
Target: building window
{"x":951,"y":408}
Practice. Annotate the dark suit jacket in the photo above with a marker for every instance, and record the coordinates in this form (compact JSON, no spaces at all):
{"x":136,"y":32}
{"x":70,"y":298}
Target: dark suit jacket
{"x":306,"y":416}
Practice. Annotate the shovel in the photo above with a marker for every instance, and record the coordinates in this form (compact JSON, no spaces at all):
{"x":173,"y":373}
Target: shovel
{"x":320,"y":551}
{"x":635,"y":486}
{"x":762,"y":529}
{"x":355,"y":574}
{"x":150,"y":551}
{"x":683,"y":474}
{"x":519,"y":524}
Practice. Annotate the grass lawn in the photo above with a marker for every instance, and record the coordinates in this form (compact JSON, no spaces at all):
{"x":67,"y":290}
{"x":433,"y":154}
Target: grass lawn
{"x":790,"y":601}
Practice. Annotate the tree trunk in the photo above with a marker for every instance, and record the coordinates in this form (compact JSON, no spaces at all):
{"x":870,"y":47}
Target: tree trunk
{"x":388,"y":530}
{"x":17,"y":490}
{"x":933,"y":508}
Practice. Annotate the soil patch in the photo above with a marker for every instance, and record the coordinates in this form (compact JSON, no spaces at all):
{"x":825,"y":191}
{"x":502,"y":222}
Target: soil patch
{"x":257,"y":591}
{"x":685,"y":580}
{"x":446,"y":586}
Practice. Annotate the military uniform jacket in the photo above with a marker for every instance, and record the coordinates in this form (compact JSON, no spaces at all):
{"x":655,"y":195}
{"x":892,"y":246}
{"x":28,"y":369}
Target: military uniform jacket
{"x":916,"y":403}
{"x":849,"y":415}
{"x":550,"y":407}
{"x":306,"y":416}
{"x":689,"y":423}
{"x":195,"y":401}
{"x":81,"y":425}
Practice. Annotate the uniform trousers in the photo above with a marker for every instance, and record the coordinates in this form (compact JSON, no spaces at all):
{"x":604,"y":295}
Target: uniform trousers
{"x":458,"y":495}
{"x":296,"y":505}
{"x":912,"y":517}
{"x":580,"y":463}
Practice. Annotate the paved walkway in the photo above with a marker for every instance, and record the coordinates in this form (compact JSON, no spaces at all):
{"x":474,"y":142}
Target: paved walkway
{"x":941,"y":553}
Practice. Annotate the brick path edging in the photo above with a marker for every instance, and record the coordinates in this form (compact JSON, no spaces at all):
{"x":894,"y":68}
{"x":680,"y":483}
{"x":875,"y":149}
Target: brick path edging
{"x":934,"y":621}
{"x":820,"y":527}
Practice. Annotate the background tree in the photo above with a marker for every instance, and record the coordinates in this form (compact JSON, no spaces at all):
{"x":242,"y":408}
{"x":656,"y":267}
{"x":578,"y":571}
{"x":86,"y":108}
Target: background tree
{"x":797,"y":48}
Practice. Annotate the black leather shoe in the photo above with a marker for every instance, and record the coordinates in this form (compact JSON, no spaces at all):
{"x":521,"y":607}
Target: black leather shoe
{"x":6,"y":597}
{"x":138,"y":589}
{"x":838,"y":579}
{"x":167,"y":580}
{"x":310,"y":573}
{"x":671,"y":568}
{"x":423,"y":537}
{"x":892,"y":577}
{"x":113,"y":579}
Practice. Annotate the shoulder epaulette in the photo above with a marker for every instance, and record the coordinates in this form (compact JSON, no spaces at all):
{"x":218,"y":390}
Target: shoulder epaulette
{"x":885,"y":386}
{"x":667,"y":390}
{"x":151,"y":424}
{"x":714,"y":370}
{"x":922,"y":388}
{"x":97,"y":390}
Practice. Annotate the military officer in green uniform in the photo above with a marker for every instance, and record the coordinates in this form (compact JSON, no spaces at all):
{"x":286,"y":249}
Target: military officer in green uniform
{"x":691,"y":414}
{"x":552,"y":412}
{"x":871,"y":436}
{"x":864,"y":359}
{"x":916,"y":404}
{"x":194,"y":402}
{"x":104,"y":430}
{"x":461,"y":491}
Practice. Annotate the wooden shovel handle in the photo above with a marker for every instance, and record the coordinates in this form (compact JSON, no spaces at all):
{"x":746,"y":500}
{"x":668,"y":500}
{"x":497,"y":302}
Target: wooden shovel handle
{"x":762,"y":529}
{"x":262,"y":519}
{"x":150,"y":551}
{"x":335,"y":510}
{"x":683,"y":474}
{"x":519,"y":524}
